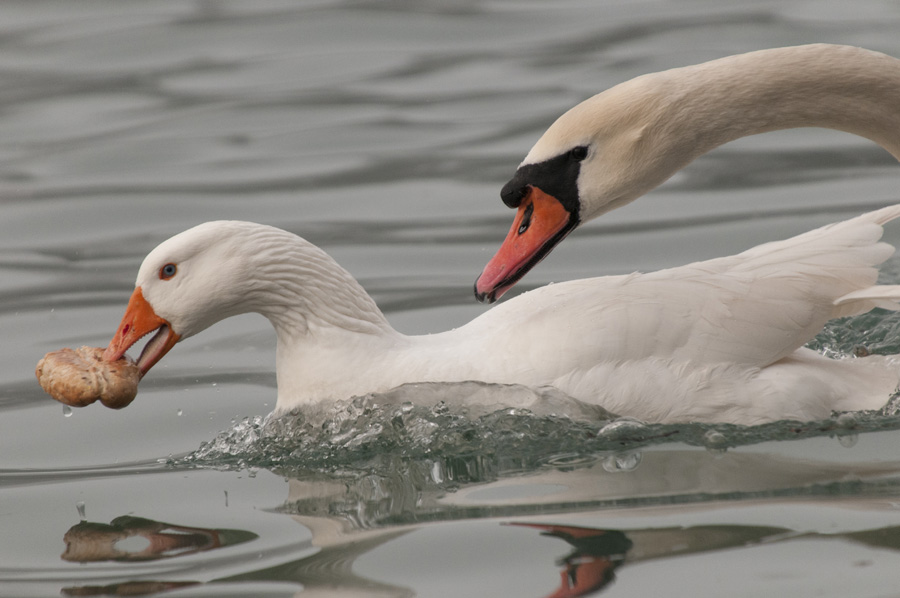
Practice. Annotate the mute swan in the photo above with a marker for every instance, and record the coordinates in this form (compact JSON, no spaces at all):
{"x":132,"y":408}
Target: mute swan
{"x":719,"y":340}
{"x":618,"y":145}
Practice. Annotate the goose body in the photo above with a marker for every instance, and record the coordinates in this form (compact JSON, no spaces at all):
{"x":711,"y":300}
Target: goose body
{"x":618,"y":145}
{"x":719,"y":340}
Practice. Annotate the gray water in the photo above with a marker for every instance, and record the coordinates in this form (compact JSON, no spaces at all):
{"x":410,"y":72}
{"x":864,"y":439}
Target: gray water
{"x":383,"y":131}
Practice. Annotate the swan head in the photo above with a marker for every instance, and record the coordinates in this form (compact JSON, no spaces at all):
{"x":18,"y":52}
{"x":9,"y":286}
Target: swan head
{"x":596,"y":157}
{"x":188,"y":283}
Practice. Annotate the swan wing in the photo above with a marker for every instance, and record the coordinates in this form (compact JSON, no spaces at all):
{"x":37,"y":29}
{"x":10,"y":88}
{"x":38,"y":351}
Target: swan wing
{"x":759,"y":306}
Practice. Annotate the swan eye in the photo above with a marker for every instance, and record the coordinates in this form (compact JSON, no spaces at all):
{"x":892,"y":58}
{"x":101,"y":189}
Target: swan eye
{"x":526,"y":218}
{"x":578,"y":153}
{"x":168,"y":271}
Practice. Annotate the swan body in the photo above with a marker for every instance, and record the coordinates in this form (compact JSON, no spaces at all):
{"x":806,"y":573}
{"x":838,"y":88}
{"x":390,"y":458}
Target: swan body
{"x":618,"y":145}
{"x":719,"y":340}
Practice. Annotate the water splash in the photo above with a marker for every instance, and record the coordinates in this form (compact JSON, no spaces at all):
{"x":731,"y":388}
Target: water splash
{"x":356,"y":434}
{"x":876,"y":332}
{"x":473,"y":430}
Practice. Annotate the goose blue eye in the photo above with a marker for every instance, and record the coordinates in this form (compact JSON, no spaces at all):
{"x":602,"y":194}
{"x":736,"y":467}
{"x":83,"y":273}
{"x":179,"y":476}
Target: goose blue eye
{"x":167,"y":271}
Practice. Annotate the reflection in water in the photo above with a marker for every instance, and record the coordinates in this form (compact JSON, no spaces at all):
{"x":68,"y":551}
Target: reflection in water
{"x":373,"y":472}
{"x":330,"y":572}
{"x":358,"y":493}
{"x":594,"y":557}
{"x":596,"y":553}
{"x":130,"y":538}
{"x":128,"y":588}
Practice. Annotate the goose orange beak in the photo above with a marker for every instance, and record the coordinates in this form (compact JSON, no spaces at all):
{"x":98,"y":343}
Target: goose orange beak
{"x":139,"y":321}
{"x":540,"y":223}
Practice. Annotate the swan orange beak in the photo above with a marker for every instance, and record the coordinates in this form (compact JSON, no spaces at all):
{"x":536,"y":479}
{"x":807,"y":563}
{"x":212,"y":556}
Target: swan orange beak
{"x":540,"y":223}
{"x":139,"y":321}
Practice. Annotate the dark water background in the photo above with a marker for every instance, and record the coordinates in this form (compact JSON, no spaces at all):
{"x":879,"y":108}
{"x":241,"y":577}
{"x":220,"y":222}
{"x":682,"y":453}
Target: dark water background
{"x":382,"y":131}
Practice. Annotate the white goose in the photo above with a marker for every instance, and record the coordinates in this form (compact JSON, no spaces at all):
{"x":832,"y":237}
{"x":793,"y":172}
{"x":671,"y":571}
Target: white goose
{"x":719,"y":340}
{"x":618,"y":145}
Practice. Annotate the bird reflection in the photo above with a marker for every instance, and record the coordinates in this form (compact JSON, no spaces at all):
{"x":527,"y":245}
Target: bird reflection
{"x":129,"y":588}
{"x":135,"y":539}
{"x":129,"y":538}
{"x":352,"y":516}
{"x":596,"y":554}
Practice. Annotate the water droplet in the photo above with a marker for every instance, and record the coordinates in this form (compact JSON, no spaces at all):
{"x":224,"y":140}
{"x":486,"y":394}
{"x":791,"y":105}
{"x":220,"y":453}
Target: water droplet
{"x":437,"y":472}
{"x":624,"y":426}
{"x":715,"y":442}
{"x":80,"y":507}
{"x":847,"y":420}
{"x":179,"y":413}
{"x":848,"y":440}
{"x":622,"y":462}
{"x":67,"y":411}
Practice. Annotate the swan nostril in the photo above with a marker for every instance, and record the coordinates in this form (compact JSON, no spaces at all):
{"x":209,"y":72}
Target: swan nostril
{"x":526,"y":218}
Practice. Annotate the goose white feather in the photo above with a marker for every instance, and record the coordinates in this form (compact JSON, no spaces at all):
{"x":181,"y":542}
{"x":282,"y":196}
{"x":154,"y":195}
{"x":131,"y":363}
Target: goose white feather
{"x":618,"y":145}
{"x":719,"y":340}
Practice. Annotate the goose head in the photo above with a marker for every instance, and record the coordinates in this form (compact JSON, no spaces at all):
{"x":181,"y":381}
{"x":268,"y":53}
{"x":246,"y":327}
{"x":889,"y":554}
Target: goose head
{"x":598,"y":156}
{"x":188,"y":283}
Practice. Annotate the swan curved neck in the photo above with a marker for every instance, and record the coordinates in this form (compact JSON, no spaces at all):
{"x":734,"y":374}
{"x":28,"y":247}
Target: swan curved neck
{"x":835,"y":87}
{"x":654,"y":125}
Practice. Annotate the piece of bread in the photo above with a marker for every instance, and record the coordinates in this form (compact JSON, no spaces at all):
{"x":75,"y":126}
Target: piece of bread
{"x":80,"y":377}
